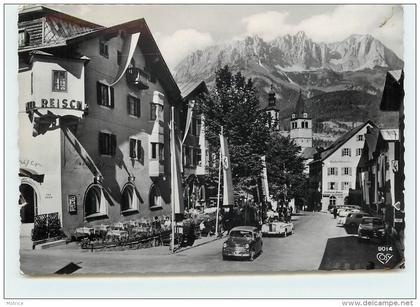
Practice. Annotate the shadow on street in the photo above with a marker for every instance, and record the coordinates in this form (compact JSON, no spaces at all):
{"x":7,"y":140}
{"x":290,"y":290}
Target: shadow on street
{"x":350,"y":253}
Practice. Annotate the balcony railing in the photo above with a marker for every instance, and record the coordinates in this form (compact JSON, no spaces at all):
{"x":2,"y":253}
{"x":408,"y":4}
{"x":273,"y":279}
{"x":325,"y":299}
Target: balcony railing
{"x":138,"y":77}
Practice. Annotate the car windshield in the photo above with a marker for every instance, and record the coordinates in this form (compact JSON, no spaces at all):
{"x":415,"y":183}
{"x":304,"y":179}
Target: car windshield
{"x":372,"y":221}
{"x":241,"y":234}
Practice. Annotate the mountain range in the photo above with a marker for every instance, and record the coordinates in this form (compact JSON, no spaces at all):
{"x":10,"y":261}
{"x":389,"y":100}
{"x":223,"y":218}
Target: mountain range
{"x":292,"y":64}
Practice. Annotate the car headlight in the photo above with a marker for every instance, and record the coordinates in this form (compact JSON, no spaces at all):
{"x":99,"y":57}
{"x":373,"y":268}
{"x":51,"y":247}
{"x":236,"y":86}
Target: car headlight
{"x":246,"y":245}
{"x":224,"y":245}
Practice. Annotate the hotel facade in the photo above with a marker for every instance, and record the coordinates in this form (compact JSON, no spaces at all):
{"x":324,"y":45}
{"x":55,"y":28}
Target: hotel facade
{"x":94,"y":111}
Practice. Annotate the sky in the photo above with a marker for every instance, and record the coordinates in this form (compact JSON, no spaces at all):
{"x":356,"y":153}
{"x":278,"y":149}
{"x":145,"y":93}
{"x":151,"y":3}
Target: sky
{"x":182,"y":29}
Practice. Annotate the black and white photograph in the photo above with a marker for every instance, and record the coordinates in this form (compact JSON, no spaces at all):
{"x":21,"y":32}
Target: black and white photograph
{"x":211,"y":139}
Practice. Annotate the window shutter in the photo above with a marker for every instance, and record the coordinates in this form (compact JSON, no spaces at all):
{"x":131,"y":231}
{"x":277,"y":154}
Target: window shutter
{"x":98,"y":93}
{"x":137,"y":108}
{"x":101,"y":143}
{"x":113,"y":144}
{"x":132,"y":148}
{"x":350,"y":171}
{"x":128,"y":104}
{"x":139,"y":150}
{"x":112,"y":98}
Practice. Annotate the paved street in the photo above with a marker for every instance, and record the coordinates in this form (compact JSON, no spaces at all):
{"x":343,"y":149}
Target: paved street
{"x":304,"y":250}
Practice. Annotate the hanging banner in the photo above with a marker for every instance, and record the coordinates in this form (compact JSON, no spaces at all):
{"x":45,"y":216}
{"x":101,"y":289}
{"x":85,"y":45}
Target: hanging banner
{"x":127,"y":52}
{"x":227,"y":173}
{"x":191,"y":104}
{"x":176,"y":182}
{"x":265,"y":180}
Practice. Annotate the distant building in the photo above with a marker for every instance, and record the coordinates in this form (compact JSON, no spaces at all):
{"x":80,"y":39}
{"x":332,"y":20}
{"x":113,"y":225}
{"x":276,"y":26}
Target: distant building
{"x":377,"y":171}
{"x":195,"y":152}
{"x":393,"y":100}
{"x":335,"y":167}
{"x":273,"y":111}
{"x":301,"y":125}
{"x":94,"y":113}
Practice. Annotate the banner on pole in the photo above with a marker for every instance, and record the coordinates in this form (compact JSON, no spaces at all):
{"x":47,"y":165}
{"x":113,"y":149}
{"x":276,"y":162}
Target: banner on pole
{"x":176,"y":181}
{"x":227,"y":173}
{"x":189,"y":117}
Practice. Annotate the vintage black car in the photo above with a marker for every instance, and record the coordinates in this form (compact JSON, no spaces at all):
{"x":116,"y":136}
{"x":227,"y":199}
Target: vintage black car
{"x":243,"y":242}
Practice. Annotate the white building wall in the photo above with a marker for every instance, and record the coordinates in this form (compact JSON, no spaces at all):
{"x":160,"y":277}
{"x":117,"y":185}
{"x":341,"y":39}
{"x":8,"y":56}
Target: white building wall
{"x":338,"y":161}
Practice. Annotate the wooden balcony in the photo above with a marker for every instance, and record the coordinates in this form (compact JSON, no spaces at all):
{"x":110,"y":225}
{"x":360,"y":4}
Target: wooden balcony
{"x":138,"y":78}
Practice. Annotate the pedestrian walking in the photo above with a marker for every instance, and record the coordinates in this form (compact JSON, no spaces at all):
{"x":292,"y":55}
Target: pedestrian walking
{"x":335,"y":212}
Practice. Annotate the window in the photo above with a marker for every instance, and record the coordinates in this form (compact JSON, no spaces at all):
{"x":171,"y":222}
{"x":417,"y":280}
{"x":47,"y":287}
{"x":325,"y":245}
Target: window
{"x":129,"y":199}
{"x":302,"y":125}
{"x":157,"y":151}
{"x":156,"y":111}
{"x":332,"y":185}
{"x":333,"y":200}
{"x":136,"y":151}
{"x":23,"y":38}
{"x":187,"y":156}
{"x":107,"y":143}
{"x":95,"y":204}
{"x":198,"y":126}
{"x":359,"y":151}
{"x":133,"y":106}
{"x":59,"y":82}
{"x":345,"y":185}
{"x":360,"y":137}
{"x":197,"y":157}
{"x":332,"y":171}
{"x":346,"y":171}
{"x":306,"y":125}
{"x":346,"y":152}
{"x":155,"y":199}
{"x":105,"y":95}
{"x":119,"y":57}
{"x":305,"y":115}
{"x":103,"y":48}
{"x":293,"y":115}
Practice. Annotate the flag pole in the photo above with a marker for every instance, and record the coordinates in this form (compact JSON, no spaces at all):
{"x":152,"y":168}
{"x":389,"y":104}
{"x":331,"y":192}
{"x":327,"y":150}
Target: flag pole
{"x":218,"y":187}
{"x":172,"y":181}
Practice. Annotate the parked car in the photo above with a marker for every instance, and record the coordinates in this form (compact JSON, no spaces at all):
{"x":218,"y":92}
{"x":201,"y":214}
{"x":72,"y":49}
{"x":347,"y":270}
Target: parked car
{"x":371,"y":227}
{"x":243,"y":242}
{"x":354,"y":219}
{"x":275,"y":227}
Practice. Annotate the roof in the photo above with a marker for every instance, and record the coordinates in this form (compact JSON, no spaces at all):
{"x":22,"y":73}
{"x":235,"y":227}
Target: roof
{"x":308,"y":153}
{"x":390,"y":135}
{"x":147,"y":43}
{"x":192,"y":88}
{"x":393,"y":93}
{"x":300,"y":106}
{"x":342,"y":140}
{"x":30,"y":12}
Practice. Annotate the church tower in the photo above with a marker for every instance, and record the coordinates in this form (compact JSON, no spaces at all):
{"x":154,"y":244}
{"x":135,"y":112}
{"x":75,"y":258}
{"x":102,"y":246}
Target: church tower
{"x":301,"y":125}
{"x":273,"y":111}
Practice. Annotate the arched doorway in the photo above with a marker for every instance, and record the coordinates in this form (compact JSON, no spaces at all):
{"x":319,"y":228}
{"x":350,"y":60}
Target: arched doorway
{"x":28,"y":202}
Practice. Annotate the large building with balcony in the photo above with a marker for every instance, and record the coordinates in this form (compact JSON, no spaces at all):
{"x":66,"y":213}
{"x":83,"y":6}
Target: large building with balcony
{"x":335,"y":167}
{"x":94,"y":113}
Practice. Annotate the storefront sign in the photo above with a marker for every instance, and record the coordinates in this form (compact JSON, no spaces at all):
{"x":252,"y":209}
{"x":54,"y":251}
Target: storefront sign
{"x":55,"y":103}
{"x":72,"y":203}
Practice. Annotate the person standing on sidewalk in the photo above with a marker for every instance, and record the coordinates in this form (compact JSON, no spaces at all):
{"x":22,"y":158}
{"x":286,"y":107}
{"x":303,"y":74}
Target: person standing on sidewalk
{"x":335,"y":212}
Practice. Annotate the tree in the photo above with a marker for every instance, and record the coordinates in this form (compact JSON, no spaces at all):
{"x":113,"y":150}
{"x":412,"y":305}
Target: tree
{"x":234,"y":105}
{"x":284,"y":168}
